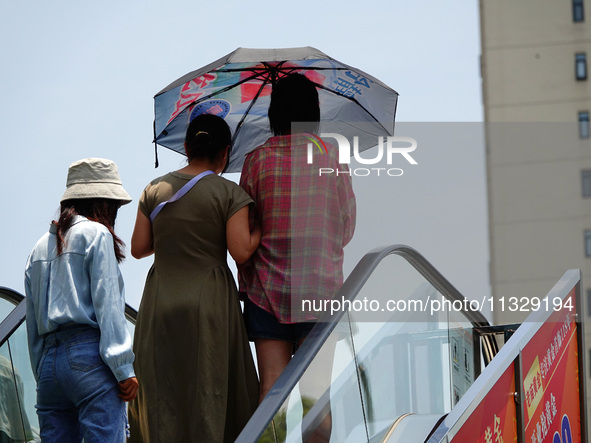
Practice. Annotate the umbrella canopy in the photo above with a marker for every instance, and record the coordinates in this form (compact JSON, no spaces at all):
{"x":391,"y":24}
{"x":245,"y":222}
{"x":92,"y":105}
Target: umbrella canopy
{"x":238,"y":86}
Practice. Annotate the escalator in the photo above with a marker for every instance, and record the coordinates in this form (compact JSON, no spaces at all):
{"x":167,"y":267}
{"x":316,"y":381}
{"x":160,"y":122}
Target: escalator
{"x":17,"y":385}
{"x":404,"y":358}
{"x":18,"y":419}
{"x":389,"y":367}
{"x":431,"y":375}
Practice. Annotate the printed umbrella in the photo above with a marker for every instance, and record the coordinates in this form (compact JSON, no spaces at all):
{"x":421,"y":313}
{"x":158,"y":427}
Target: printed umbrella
{"x":238,"y":86}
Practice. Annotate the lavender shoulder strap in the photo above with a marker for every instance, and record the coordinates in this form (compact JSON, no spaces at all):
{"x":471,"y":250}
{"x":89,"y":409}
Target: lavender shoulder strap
{"x":179,"y":194}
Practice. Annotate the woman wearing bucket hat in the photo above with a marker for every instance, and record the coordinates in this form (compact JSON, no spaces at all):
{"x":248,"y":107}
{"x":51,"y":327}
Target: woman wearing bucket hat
{"x":79,"y":344}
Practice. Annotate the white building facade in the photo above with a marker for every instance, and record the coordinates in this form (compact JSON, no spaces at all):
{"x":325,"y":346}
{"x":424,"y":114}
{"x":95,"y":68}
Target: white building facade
{"x":537,"y":102}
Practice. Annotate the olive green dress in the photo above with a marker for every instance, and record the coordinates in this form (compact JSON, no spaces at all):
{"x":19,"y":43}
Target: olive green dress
{"x":197,"y":380}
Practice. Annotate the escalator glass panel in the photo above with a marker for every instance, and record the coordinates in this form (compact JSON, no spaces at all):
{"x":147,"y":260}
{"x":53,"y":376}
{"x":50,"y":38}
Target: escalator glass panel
{"x":18,"y":419}
{"x":398,"y":349}
{"x":6,"y":308}
{"x":309,"y":410}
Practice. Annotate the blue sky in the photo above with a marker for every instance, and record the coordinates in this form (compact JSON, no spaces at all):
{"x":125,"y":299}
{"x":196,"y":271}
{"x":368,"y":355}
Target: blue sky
{"x":78,"y":80}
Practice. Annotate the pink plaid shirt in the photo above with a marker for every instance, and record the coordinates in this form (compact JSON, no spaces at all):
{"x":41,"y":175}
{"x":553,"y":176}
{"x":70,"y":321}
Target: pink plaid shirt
{"x":307,"y":218}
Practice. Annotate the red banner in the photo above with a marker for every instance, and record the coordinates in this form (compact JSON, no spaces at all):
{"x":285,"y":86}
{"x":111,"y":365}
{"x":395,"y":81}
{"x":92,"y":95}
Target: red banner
{"x":551,"y":379}
{"x":494,"y":418}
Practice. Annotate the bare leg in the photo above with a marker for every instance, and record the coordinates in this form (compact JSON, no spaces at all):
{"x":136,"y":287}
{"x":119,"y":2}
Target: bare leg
{"x":318,"y":375}
{"x":272,"y":358}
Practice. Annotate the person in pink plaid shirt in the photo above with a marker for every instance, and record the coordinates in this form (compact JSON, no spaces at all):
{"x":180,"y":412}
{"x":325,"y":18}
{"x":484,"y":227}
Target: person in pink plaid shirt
{"x":307,"y":218}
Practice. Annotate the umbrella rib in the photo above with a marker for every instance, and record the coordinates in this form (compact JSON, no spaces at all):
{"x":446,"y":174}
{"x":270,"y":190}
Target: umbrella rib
{"x":256,"y":74}
{"x":291,"y":69}
{"x":213,"y":94}
{"x":227,"y":88}
{"x":239,"y":125}
{"x":355,"y":101}
{"x":263,"y":74}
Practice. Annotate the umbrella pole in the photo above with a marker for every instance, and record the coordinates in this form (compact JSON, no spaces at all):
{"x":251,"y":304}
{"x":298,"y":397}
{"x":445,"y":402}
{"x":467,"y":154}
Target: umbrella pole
{"x":155,"y":147}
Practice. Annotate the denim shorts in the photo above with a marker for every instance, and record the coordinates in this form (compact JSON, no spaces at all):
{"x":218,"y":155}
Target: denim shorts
{"x":77,"y":394}
{"x":262,"y":324}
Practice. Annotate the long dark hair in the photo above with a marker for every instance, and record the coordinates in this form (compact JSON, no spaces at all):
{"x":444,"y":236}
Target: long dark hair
{"x":101,"y":210}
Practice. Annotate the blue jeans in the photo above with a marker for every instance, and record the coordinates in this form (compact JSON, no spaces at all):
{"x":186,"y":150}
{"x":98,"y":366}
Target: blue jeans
{"x":77,"y":394}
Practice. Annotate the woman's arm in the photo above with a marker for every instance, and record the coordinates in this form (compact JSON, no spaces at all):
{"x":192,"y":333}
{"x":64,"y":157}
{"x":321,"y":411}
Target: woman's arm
{"x":142,"y":241}
{"x":241,"y":242}
{"x":34,"y":339}
{"x":108,"y":301}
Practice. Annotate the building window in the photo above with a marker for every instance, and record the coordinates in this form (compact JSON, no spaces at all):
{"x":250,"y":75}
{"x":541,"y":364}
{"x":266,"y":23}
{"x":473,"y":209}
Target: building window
{"x":578,"y":11}
{"x":584,"y":124}
{"x":581,"y":66}
{"x":586,"y":182}
{"x":588,"y":243}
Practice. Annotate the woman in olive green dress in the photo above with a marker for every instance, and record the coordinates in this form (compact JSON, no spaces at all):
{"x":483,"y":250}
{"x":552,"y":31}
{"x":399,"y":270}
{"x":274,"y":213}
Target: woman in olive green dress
{"x":197,"y":378}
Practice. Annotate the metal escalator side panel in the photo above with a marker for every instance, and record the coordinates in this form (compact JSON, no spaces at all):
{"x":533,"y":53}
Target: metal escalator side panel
{"x":511,"y":395}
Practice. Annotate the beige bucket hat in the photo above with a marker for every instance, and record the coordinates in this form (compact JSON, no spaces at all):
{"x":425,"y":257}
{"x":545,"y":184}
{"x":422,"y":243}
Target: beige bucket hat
{"x":94,"y":178}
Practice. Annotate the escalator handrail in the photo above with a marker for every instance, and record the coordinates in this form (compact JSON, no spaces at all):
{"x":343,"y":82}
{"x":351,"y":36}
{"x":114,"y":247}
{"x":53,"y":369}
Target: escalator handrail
{"x":18,"y":314}
{"x":11,"y":295}
{"x":321,"y":331}
{"x":438,"y":281}
{"x":14,"y":319}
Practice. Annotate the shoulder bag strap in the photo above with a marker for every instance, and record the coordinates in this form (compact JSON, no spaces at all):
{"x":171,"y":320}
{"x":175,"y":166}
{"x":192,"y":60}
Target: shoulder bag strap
{"x":179,"y":194}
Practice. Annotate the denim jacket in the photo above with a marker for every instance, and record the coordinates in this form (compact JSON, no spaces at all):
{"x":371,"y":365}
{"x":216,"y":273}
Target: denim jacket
{"x":82,"y":285}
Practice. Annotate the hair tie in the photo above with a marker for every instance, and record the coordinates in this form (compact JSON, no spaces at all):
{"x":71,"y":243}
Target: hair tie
{"x":202,"y":132}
